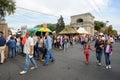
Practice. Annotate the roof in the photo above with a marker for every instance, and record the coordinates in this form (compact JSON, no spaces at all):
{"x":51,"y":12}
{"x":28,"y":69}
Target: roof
{"x":83,"y":15}
{"x":68,"y":30}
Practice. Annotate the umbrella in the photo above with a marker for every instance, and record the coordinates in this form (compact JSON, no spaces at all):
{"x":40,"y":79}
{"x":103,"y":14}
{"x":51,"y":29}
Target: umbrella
{"x":44,"y":30}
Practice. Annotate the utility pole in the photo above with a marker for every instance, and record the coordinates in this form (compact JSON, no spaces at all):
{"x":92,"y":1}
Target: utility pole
{"x":106,"y":26}
{"x":106,"y":30}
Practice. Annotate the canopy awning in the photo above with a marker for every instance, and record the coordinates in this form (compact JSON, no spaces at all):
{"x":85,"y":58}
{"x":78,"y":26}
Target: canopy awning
{"x":68,"y":30}
{"x":82,"y":31}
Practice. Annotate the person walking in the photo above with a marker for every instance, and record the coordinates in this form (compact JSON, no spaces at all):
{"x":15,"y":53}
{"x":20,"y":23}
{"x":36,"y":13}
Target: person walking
{"x":108,"y":52}
{"x":49,"y":54}
{"x":18,"y":46}
{"x":39,"y":47}
{"x":65,"y":41}
{"x":82,"y":41}
{"x":2,"y":47}
{"x":87,"y":52}
{"x":11,"y":46}
{"x":29,"y":50}
{"x":35,"y":39}
{"x":99,"y":45}
{"x":22,"y":44}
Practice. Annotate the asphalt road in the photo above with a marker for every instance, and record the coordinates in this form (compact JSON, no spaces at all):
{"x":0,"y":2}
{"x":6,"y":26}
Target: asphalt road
{"x":68,"y":66}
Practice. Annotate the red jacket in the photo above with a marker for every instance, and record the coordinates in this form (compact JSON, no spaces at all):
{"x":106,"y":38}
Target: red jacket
{"x":86,"y":49}
{"x":23,"y":41}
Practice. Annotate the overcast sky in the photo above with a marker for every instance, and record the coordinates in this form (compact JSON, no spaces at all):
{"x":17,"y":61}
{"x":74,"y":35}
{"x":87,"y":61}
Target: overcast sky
{"x":103,"y":10}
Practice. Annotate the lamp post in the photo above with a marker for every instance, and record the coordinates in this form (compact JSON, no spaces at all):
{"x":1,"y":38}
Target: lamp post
{"x":106,"y":30}
{"x":106,"y":26}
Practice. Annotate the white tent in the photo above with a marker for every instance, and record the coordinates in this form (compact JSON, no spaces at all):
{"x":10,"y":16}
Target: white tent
{"x":82,"y":31}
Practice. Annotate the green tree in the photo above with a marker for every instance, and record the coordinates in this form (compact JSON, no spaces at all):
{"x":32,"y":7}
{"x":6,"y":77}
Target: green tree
{"x":111,"y":31}
{"x":38,"y":26}
{"x":115,"y":32}
{"x":99,"y":25}
{"x":7,"y":7}
{"x":52,"y":27}
{"x":102,"y":30}
{"x":60,"y":24}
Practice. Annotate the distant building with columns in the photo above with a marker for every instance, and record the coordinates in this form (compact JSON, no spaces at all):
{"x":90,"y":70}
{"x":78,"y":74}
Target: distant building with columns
{"x":85,"y":21}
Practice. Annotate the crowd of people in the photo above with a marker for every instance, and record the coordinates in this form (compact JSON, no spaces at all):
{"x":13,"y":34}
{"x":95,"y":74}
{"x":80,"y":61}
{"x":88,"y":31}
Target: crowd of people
{"x":40,"y":47}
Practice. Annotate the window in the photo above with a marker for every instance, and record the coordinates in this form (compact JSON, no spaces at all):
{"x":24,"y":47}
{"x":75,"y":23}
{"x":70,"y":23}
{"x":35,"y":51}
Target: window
{"x":79,"y":20}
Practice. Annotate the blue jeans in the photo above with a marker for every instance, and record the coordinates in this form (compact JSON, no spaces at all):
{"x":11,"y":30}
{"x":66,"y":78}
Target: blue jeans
{"x":99,"y":56}
{"x":107,"y":59}
{"x":13,"y":52}
{"x":28,"y":60}
{"x":18,"y":49}
{"x":39,"y":50}
{"x":82,"y":44}
{"x":65,"y":46}
{"x":48,"y":56}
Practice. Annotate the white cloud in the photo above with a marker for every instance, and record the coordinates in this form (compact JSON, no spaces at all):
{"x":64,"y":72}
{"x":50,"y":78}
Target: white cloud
{"x":63,"y":7}
{"x":66,"y":8}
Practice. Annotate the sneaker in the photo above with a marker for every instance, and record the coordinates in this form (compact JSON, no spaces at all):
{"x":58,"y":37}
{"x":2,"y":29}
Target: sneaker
{"x":99,"y":64}
{"x":1,"y":63}
{"x":53,"y":61}
{"x":109,"y":66}
{"x":32,"y":68}
{"x":23,"y":72}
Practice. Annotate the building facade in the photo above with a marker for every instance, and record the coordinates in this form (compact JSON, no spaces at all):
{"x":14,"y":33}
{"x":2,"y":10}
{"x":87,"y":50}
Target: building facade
{"x":85,"y":21}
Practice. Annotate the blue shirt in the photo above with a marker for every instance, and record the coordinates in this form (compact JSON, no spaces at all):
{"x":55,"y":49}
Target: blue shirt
{"x":11,"y":43}
{"x":2,"y":41}
{"x":49,"y":43}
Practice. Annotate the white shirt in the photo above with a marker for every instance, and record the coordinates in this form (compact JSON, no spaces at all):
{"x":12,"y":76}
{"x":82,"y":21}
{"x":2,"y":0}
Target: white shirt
{"x":40,"y":43}
{"x":35,"y":39}
{"x":107,"y":49}
{"x":28,"y":44}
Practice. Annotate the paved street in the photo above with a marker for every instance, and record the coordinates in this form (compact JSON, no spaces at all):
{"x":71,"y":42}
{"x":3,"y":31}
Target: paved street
{"x":68,"y":66}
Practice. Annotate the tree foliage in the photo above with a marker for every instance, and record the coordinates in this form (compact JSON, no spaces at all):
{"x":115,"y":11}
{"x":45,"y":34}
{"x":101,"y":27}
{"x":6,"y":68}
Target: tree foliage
{"x":111,"y":31}
{"x":99,"y":25}
{"x":115,"y":32}
{"x":103,"y":30}
{"x":6,"y":7}
{"x":60,"y":24}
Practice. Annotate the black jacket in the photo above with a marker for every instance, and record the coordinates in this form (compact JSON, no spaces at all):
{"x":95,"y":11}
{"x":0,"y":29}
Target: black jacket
{"x":98,"y":44}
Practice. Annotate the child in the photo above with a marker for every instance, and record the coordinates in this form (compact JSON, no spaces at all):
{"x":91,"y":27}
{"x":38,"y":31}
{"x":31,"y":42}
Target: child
{"x":87,"y":52}
{"x":108,"y":53}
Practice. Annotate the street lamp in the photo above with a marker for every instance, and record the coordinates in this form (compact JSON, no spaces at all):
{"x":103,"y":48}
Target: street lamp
{"x":106,"y":30}
{"x":106,"y":26}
